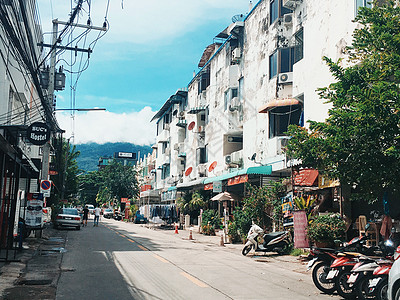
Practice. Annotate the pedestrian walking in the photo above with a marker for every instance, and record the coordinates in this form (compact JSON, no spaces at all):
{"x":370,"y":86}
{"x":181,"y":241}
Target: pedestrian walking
{"x":85,"y":215}
{"x":97,"y":211}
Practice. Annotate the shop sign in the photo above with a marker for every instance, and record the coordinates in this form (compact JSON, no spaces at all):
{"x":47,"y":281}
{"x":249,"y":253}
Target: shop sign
{"x":208,"y":186}
{"x":300,"y":229}
{"x":217,"y":186}
{"x":145,"y":187}
{"x":238,"y":179}
{"x":38,"y":133}
{"x":287,"y":210}
{"x":124,"y":200}
{"x":325,"y":182}
{"x":33,"y":217}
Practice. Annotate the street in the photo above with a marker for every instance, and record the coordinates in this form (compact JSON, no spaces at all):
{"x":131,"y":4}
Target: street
{"x":119,"y":260}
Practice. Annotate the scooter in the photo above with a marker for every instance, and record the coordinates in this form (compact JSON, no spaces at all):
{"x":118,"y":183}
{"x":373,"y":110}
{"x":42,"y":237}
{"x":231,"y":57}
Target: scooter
{"x":273,"y":242}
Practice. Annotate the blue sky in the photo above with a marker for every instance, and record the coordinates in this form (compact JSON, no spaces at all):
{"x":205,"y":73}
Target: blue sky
{"x":151,"y":49}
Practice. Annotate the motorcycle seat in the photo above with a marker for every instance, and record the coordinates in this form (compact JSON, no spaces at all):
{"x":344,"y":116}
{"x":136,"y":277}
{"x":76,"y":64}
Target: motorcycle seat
{"x":275,"y":234}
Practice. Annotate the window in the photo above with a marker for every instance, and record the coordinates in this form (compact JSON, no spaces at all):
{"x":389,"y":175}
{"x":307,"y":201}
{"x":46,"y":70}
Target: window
{"x":298,"y":45}
{"x":281,"y":61}
{"x":281,"y":117}
{"x":362,"y":3}
{"x":286,"y":60}
{"x":204,"y":80}
{"x":273,"y":65}
{"x":201,"y":155}
{"x":277,"y":10}
{"x":165,"y":171}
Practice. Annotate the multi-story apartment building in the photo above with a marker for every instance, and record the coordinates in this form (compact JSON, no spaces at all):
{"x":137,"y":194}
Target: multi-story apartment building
{"x":261,"y":76}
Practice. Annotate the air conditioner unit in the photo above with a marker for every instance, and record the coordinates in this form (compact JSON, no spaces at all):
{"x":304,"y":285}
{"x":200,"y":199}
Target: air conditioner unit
{"x":181,"y":115}
{"x":285,"y":78}
{"x":235,"y":103}
{"x":236,"y":53}
{"x":291,"y":4}
{"x":287,"y":19}
{"x":236,"y":157}
{"x":167,"y":151}
{"x":228,"y":159}
{"x":281,"y":145}
{"x":166,"y":126}
{"x":201,"y":169}
{"x":176,"y":146}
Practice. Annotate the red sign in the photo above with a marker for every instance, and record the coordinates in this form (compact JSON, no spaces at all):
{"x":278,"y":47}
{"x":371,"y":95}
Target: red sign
{"x":52,"y":172}
{"x":208,"y":186}
{"x":145,"y":187}
{"x":238,"y":179}
{"x":300,"y":229}
{"x":124,"y":200}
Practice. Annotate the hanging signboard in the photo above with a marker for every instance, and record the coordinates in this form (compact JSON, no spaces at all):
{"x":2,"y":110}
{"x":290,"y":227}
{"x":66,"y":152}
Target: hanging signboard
{"x":300,"y":229}
{"x":217,"y":186}
{"x":38,"y":133}
{"x":33,"y":217}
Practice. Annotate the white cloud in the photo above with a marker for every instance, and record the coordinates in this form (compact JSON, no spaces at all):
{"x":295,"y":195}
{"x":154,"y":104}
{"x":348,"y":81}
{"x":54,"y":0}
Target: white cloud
{"x":141,"y":22}
{"x":103,"y":126}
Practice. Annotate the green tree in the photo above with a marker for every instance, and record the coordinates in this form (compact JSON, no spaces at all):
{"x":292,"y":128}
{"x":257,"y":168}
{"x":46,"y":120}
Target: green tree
{"x":263,"y":204}
{"x":359,"y":143}
{"x":66,"y":180}
{"x":89,"y":187}
{"x":120,"y":181}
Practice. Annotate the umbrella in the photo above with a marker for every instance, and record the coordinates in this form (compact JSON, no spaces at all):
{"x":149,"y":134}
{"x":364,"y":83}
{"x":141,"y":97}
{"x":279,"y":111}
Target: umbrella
{"x":225,"y":196}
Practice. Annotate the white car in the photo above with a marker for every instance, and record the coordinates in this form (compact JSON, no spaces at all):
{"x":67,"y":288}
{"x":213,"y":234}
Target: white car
{"x":394,"y":278}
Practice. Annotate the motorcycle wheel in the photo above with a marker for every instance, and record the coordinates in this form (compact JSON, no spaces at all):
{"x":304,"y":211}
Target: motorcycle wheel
{"x":381,"y":291}
{"x":246,"y":249}
{"x":362,"y":288}
{"x":319,"y":273}
{"x":341,"y":285}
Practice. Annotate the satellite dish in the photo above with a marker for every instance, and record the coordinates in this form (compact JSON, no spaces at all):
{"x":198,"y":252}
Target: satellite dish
{"x":238,"y":18}
{"x":212,"y":166}
{"x":188,"y":171}
{"x":191,"y":125}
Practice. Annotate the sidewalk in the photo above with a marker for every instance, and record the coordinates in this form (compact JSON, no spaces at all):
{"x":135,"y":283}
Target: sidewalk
{"x":36,"y":274}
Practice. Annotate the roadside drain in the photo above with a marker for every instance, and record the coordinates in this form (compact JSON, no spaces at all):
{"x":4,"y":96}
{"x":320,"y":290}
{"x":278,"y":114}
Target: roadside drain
{"x":53,"y":251}
{"x":35,"y":282}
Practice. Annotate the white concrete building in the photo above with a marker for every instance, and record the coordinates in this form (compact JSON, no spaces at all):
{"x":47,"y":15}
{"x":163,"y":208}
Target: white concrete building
{"x":261,"y":75}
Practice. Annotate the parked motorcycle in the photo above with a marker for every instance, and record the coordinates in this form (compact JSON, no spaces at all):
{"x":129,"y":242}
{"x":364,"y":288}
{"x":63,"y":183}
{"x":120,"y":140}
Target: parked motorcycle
{"x":273,"y":242}
{"x":378,"y":285}
{"x":324,"y":257}
{"x":361,"y":274}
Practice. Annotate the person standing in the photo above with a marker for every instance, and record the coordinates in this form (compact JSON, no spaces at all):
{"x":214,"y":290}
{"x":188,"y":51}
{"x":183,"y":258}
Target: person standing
{"x":85,"y":215}
{"x":96,"y":212}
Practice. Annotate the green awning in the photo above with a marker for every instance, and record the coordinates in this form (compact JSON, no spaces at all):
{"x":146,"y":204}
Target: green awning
{"x":261,"y":170}
{"x":196,"y":110}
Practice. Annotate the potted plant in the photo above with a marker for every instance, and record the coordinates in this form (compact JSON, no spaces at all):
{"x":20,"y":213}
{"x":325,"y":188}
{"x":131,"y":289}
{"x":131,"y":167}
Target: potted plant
{"x":325,"y":230}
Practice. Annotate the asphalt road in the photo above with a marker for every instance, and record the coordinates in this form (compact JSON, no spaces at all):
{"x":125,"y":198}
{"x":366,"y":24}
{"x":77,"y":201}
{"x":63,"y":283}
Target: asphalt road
{"x":120,"y":260}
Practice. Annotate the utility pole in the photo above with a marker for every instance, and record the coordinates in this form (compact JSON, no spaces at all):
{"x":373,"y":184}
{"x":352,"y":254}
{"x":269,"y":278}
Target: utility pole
{"x":52,"y":73}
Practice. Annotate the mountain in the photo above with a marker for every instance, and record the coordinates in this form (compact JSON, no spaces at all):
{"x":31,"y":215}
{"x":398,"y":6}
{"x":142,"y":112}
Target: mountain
{"x":90,"y":153}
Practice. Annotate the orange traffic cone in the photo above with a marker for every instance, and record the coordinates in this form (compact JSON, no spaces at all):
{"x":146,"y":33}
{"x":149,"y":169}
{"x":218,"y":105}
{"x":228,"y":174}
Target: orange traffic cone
{"x":176,"y":228}
{"x":221,"y":243}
